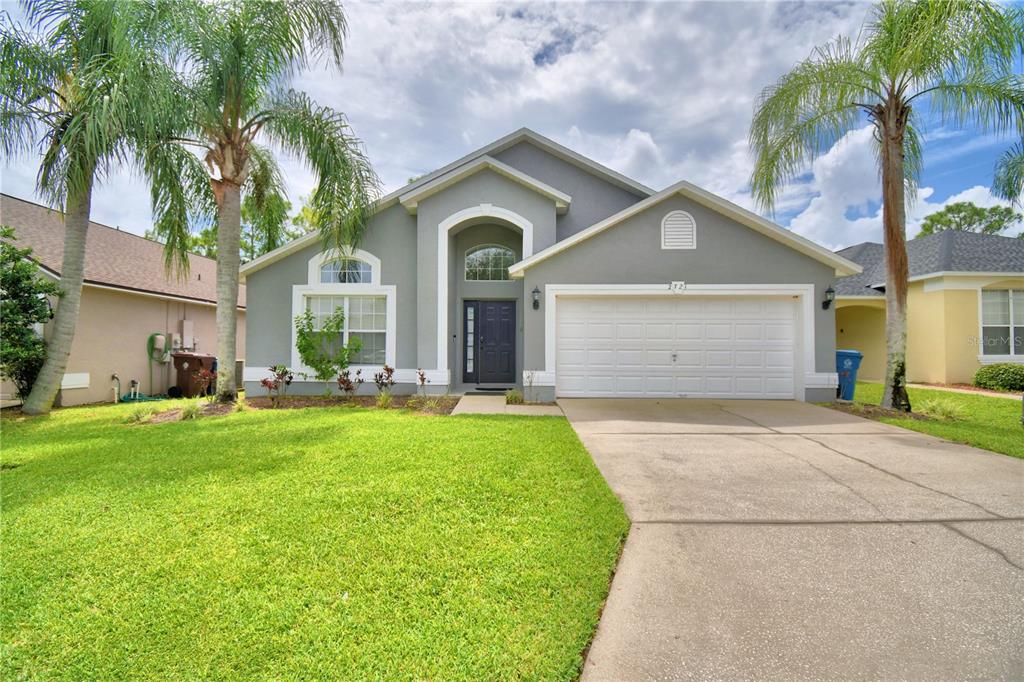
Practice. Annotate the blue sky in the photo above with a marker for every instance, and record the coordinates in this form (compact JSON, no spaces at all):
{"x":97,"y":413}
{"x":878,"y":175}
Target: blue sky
{"x":660,"y":91}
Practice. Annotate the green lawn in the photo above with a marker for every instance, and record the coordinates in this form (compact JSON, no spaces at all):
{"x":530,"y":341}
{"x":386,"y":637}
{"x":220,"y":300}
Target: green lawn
{"x":322,"y":543}
{"x":989,"y":423}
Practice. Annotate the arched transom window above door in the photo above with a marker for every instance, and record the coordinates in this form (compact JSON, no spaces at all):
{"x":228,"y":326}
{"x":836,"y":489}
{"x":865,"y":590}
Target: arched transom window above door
{"x":489,"y":263}
{"x":354,"y":267}
{"x":346,"y":271}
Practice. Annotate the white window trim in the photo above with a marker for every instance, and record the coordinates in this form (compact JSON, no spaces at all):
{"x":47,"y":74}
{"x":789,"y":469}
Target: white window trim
{"x":693,"y":222}
{"x":805,"y":348}
{"x":299,"y":293}
{"x":477,"y":247}
{"x":993,"y":359}
{"x":446,"y":226}
{"x":324,"y":257}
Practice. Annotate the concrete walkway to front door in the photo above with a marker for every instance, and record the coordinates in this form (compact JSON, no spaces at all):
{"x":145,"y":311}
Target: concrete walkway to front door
{"x":780,"y":540}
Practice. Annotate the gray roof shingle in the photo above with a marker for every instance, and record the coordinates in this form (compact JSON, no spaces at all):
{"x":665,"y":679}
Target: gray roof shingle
{"x":947,"y":251}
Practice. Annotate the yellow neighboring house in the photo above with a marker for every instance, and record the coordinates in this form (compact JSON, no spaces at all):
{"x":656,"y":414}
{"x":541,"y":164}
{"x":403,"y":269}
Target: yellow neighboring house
{"x":965,"y":306}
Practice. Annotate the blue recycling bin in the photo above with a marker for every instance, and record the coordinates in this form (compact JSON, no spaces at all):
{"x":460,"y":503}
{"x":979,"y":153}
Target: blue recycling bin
{"x":847,"y":364}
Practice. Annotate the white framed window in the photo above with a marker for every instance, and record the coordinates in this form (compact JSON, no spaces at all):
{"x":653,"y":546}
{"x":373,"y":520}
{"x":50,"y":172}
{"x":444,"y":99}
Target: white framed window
{"x":678,"y":231}
{"x":489,"y":263}
{"x":346,"y":271}
{"x":1002,"y":322}
{"x":352,"y":267}
{"x":365,"y":319}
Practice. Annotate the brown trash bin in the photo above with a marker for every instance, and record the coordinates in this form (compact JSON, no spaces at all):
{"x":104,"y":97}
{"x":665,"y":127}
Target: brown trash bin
{"x":188,"y":366}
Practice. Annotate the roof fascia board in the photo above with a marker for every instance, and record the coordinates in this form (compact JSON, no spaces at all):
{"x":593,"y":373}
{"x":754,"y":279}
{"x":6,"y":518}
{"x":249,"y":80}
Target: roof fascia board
{"x":410,"y":200}
{"x":956,"y":273}
{"x":841,"y":265}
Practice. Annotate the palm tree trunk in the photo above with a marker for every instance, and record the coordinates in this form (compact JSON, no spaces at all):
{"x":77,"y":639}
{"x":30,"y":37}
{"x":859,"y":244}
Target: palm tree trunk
{"x":62,"y":333}
{"x":894,"y":220}
{"x":229,"y":220}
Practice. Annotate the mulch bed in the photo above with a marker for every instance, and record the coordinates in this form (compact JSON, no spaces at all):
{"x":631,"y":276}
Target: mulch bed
{"x":876,"y":412}
{"x":429,"y":405}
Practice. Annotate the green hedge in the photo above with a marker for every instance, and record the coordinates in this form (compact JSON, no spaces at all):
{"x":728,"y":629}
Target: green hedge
{"x":1002,"y":376}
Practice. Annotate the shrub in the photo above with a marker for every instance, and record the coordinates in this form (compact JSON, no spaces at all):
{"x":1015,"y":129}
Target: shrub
{"x":319,"y":348}
{"x":942,"y":408}
{"x":205,"y":379}
{"x":191,"y":410}
{"x":277,"y":385}
{"x":1002,"y":376}
{"x":513,"y":397}
{"x":349,"y":383}
{"x":23,"y":306}
{"x":384,"y":379}
{"x":384,"y":400}
{"x":138,"y":415}
{"x":421,"y":378}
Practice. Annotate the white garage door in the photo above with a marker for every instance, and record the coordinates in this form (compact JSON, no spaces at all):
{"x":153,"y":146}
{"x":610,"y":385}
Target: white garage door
{"x":715,"y":347}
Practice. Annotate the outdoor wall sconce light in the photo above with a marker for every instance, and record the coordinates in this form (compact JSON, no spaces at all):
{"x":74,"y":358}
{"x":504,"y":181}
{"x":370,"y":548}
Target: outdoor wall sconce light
{"x":536,"y":298}
{"x":830,"y":295}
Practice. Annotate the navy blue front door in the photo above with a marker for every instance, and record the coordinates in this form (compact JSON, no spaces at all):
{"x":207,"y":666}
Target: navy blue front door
{"x":489,"y":331}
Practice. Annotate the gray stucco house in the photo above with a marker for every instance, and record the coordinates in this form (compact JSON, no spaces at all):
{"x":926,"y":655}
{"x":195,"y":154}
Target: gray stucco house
{"x":526,"y":264}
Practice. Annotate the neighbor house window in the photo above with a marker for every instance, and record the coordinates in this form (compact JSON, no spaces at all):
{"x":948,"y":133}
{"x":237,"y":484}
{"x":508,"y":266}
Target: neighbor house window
{"x":1002,"y":322}
{"x":346,"y":271}
{"x":489,"y":263}
{"x":365,"y":319}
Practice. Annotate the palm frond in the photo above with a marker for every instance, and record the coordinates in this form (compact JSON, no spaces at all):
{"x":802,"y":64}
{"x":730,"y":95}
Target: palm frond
{"x":805,"y":113}
{"x":347,"y":184}
{"x":1009,"y":177}
{"x":181,"y":197}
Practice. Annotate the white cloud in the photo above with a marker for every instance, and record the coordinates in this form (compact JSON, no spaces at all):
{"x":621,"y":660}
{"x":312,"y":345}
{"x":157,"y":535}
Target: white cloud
{"x":658,"y":91}
{"x":845,"y":208}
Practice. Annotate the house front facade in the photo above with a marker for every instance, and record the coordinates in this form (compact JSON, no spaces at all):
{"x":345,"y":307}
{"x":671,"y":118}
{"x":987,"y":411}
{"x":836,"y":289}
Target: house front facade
{"x":965,"y":306}
{"x":526,"y":264}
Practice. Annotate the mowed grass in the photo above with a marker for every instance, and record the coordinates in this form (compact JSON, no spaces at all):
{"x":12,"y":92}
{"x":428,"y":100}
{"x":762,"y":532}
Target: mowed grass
{"x":297,"y":544}
{"x":988,"y":423}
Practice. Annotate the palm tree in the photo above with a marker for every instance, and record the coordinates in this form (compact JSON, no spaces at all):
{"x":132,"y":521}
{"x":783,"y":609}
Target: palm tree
{"x":1009,"y":177}
{"x":957,"y":58}
{"x":235,"y":58}
{"x":75,"y":87}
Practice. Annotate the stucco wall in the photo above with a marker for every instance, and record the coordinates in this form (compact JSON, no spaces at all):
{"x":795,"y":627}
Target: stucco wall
{"x":485,"y":187}
{"x":593,"y":198}
{"x":861,"y":326}
{"x":391,"y":236}
{"x":726,"y":253}
{"x":111,"y":335}
{"x":926,"y":338}
{"x":942,"y":329}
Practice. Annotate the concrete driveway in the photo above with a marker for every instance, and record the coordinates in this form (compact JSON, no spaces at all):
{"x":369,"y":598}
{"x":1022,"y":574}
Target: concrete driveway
{"x":780,"y":540}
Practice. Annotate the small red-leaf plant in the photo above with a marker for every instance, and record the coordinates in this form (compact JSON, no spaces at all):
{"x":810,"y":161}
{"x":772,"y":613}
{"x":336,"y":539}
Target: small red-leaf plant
{"x":205,"y":378}
{"x":349,"y":383}
{"x":421,"y":377}
{"x":384,"y":379}
{"x":277,"y":385}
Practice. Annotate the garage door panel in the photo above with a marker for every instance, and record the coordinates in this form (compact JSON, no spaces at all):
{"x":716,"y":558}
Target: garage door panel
{"x":662,"y":346}
{"x":718,"y":358}
{"x":689,"y":358}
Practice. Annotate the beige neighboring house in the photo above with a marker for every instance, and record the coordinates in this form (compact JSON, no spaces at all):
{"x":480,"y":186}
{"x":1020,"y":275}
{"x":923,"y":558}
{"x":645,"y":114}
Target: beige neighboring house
{"x":127,"y":296}
{"x":965,"y":306}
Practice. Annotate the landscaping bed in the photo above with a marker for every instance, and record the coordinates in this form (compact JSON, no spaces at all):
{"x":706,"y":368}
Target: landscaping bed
{"x":440,"y":404}
{"x":335,"y":543}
